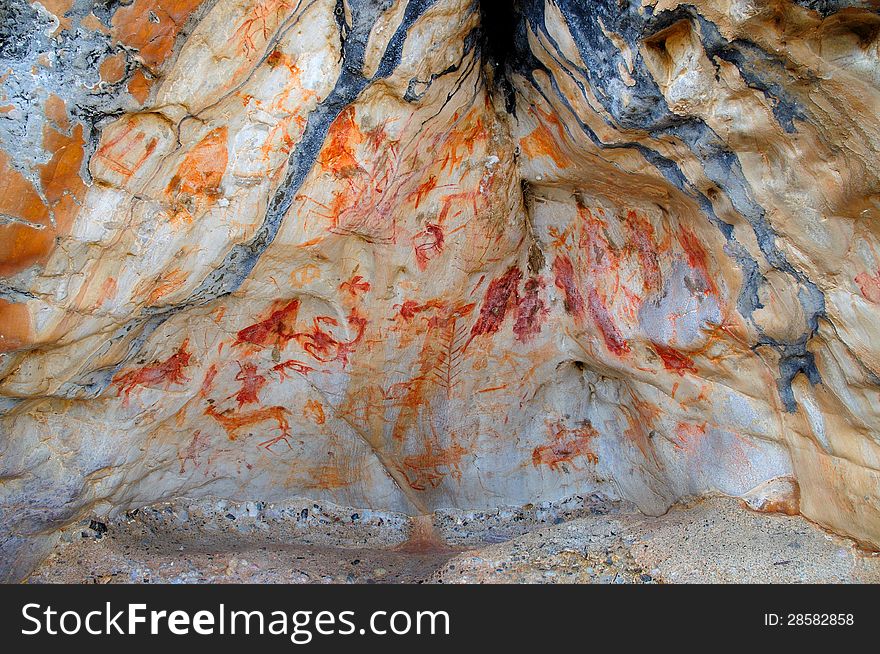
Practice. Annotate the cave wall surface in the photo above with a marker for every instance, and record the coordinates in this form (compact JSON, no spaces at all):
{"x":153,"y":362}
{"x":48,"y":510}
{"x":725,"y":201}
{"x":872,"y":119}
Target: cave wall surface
{"x":419,"y":254}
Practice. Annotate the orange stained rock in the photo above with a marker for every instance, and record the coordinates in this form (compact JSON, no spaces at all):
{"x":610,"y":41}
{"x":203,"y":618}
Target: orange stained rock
{"x":541,"y":141}
{"x":112,"y":69}
{"x":22,"y":245}
{"x":304,"y":275}
{"x":167,"y":283}
{"x":788,"y":503}
{"x":202,"y":169}
{"x":56,"y":111}
{"x":93,"y":23}
{"x":60,"y":177}
{"x":338,"y":153}
{"x":15,"y":326}
{"x":59,"y":9}
{"x":233,"y":422}
{"x":314,"y":411}
{"x":139,"y":86}
{"x":260,"y":22}
{"x":28,"y":235}
{"x":466,"y":137}
{"x":154,"y":40}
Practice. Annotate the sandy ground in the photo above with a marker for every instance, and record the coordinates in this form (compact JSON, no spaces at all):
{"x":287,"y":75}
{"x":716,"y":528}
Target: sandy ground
{"x":581,"y":540}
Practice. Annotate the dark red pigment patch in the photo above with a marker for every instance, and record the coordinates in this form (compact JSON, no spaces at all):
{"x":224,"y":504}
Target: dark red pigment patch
{"x":499,"y":294}
{"x":674,"y":360}
{"x":355,"y":286}
{"x":276,"y":330}
{"x":697,"y":258}
{"x":530,"y":311}
{"x":410,"y":308}
{"x":564,"y":279}
{"x":162,"y":373}
{"x":614,"y":341}
{"x":251,"y":383}
{"x":323,"y":346}
{"x":641,"y":235}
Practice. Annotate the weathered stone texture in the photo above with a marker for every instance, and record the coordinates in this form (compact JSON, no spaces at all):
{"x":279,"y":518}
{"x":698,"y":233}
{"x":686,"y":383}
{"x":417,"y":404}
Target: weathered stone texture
{"x":379,"y":253}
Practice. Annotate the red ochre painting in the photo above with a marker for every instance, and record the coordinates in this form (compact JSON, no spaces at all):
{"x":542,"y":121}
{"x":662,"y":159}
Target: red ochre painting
{"x":365,"y":254}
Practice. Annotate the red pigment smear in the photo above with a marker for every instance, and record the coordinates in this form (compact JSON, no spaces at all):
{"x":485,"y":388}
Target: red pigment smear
{"x":423,"y":189}
{"x":641,"y":234}
{"x":275,"y":330}
{"x":410,"y":308}
{"x":674,"y":360}
{"x":498,"y":296}
{"x":323,"y":346}
{"x":564,"y":272}
{"x":565,"y":446}
{"x":167,"y":373}
{"x":689,"y":436}
{"x":208,"y":381}
{"x":870,"y":286}
{"x":614,"y":341}
{"x":530,"y":311}
{"x":428,"y":244}
{"x":355,"y":285}
{"x":251,"y":383}
{"x":296,"y":366}
{"x":450,"y":315}
{"x":696,"y":257}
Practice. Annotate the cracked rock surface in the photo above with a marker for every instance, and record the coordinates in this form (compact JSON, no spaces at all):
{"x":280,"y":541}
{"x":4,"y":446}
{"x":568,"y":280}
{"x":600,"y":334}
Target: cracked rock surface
{"x":427,"y":256}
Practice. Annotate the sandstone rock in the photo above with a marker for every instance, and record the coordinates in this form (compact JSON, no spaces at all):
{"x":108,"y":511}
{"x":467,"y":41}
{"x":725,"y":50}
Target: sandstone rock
{"x":427,"y":254}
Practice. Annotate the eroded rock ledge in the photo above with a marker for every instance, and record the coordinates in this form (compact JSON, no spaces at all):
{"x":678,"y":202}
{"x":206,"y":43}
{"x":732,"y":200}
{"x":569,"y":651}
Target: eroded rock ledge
{"x":414,"y":255}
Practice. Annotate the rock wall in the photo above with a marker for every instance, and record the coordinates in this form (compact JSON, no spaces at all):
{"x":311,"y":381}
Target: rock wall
{"x":418,"y":254}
